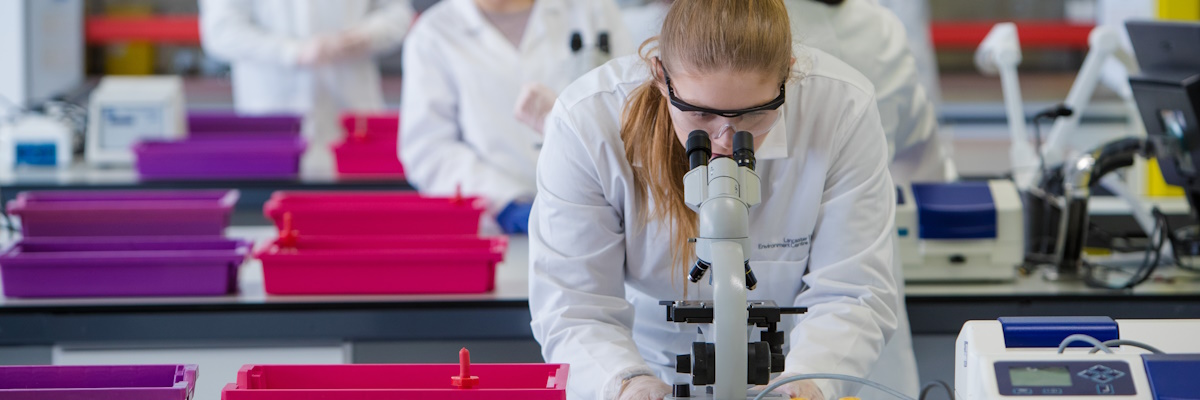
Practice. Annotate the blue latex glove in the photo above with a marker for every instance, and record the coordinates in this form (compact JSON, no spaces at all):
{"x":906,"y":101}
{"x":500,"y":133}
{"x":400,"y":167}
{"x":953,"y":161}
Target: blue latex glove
{"x":515,"y":217}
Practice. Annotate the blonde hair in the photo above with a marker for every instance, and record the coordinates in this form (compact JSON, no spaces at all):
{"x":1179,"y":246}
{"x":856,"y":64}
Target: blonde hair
{"x":699,"y":37}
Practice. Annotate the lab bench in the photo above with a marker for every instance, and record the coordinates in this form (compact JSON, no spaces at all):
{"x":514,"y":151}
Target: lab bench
{"x":252,"y":314}
{"x":495,"y":325}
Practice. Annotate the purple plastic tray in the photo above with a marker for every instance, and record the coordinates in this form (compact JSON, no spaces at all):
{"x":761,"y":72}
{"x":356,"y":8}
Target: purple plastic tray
{"x":225,"y":121}
{"x":123,"y":213}
{"x":235,"y":135}
{"x":142,"y":266}
{"x":230,"y":158}
{"x":102,"y":382}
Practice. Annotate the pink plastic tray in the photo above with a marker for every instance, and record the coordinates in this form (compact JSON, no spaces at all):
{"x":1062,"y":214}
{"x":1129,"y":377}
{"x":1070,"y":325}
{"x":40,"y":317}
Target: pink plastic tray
{"x":381,"y":265}
{"x":368,"y":158}
{"x":397,"y":382}
{"x":382,"y":126}
{"x":124,"y":213}
{"x":374,"y":213}
{"x":104,"y":382}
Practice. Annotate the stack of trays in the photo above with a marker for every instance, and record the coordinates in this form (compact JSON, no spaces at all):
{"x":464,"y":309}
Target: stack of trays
{"x":377,"y":243}
{"x":370,"y":146}
{"x":226,"y":146}
{"x":122,"y":243}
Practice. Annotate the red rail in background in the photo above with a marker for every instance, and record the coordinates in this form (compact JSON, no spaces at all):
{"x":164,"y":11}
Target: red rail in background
{"x":178,"y":29}
{"x":966,"y":35}
{"x":962,"y":35}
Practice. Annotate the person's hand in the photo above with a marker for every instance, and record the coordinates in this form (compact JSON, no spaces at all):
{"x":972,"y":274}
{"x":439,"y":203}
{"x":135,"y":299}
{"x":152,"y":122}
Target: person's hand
{"x":644,"y":387}
{"x":796,"y":390}
{"x":514,"y":218}
{"x":534,"y":104}
{"x":326,"y":49}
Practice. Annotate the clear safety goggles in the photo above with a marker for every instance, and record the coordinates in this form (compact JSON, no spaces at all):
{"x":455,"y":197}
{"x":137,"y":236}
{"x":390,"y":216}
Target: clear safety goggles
{"x":757,"y":120}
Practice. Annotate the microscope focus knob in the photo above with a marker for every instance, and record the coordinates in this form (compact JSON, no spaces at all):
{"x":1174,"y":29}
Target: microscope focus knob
{"x":758,"y":363}
{"x":683,"y":364}
{"x":704,"y":369}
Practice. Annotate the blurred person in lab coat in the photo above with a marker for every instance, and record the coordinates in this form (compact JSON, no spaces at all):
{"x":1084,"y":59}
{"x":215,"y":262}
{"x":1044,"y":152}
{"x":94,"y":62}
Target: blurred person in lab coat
{"x":310,"y":57}
{"x":914,"y":14}
{"x":609,"y":229}
{"x":873,"y":40}
{"x":480,"y":77}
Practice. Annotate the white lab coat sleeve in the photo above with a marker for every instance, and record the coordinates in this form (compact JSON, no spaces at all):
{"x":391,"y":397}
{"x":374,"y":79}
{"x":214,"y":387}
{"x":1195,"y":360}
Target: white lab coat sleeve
{"x":851,"y":291}
{"x":436,"y":159}
{"x":576,"y":270}
{"x":228,"y":32}
{"x":386,"y":24}
{"x":620,"y":39}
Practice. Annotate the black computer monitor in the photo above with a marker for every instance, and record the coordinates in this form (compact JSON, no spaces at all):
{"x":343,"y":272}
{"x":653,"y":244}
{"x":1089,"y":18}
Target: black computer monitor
{"x":1167,"y":92}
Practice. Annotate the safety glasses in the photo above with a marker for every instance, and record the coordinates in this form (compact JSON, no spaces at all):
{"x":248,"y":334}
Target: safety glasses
{"x":757,"y":120}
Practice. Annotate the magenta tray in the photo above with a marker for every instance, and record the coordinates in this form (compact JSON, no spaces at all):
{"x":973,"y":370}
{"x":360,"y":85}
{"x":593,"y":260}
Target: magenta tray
{"x":398,"y":382}
{"x":304,"y":264}
{"x":122,"y":266}
{"x":233,"y":157}
{"x":104,"y":382}
{"x":225,"y":121}
{"x":388,"y":213}
{"x":123,"y":213}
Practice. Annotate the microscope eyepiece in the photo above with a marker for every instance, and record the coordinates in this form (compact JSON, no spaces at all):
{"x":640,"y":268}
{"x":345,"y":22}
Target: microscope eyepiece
{"x":699,"y":149}
{"x":743,"y":149}
{"x":576,"y":42}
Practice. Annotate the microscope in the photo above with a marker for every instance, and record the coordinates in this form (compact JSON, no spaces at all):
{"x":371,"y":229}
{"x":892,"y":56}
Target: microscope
{"x":722,"y":190}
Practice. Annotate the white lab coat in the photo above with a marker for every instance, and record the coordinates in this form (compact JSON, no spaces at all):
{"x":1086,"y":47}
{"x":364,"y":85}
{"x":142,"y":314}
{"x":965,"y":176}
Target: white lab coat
{"x":914,"y":14}
{"x":262,"y":39}
{"x":461,"y":82}
{"x":872,"y":40}
{"x":826,"y":222}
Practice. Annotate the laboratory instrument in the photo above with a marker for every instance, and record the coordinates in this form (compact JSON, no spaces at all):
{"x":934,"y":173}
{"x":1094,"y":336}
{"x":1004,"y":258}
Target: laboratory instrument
{"x":35,"y":141}
{"x":959,"y":231}
{"x":1016,"y":357}
{"x":1166,"y":92}
{"x":722,"y":190}
{"x":43,"y":47}
{"x":124,"y":111}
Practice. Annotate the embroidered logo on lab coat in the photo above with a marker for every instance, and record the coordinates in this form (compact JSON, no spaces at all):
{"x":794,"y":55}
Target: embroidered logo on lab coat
{"x":786,"y":243}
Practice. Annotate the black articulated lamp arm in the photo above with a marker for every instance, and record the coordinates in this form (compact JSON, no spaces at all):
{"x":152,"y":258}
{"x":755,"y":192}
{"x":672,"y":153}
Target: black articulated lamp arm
{"x":1115,"y":155}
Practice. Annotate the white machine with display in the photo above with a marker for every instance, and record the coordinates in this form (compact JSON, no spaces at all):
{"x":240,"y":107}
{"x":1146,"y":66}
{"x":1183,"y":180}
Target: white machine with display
{"x":1078,"y":358}
{"x":35,"y":141}
{"x":125,"y":110}
{"x":961,"y":231}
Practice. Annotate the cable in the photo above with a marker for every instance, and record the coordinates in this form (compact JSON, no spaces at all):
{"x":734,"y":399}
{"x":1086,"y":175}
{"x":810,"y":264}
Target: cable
{"x":1175,"y":245}
{"x":840,"y":377}
{"x":1133,"y":343}
{"x":934,"y":385}
{"x":1079,"y":337}
{"x":1150,"y":261}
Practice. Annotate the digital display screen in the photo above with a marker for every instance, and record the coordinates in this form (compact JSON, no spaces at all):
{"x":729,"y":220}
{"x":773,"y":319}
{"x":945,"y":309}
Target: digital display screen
{"x":1040,"y":376}
{"x":124,"y":126}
